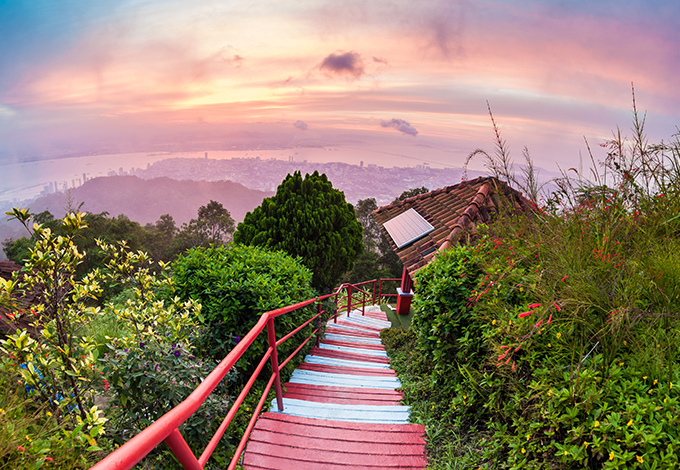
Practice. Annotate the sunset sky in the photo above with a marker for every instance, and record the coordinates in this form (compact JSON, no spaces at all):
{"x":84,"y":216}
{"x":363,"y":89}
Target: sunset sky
{"x":130,"y":75}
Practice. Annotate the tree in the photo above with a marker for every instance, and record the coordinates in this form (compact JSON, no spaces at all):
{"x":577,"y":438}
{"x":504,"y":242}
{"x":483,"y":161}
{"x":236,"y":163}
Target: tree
{"x":377,"y":260}
{"x":310,"y":219}
{"x":163,"y":234}
{"x":214,"y":226}
{"x":410,"y":193}
{"x":371,"y":230}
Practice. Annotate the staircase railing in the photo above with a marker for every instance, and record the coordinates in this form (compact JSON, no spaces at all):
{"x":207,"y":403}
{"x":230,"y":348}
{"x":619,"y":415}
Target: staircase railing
{"x":381,"y":294}
{"x":166,"y":428}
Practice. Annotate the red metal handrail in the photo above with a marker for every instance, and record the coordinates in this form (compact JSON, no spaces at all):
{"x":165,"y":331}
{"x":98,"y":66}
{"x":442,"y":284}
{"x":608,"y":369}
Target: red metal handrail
{"x":166,"y":428}
{"x":380,"y":292}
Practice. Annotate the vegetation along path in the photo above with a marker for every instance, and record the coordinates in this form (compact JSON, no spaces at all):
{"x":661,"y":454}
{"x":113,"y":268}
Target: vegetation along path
{"x":341,"y":408}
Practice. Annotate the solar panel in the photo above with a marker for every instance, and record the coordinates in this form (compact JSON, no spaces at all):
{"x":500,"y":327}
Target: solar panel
{"x":407,"y":228}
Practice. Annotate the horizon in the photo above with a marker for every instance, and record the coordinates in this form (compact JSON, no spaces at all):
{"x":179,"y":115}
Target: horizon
{"x":120,"y":77}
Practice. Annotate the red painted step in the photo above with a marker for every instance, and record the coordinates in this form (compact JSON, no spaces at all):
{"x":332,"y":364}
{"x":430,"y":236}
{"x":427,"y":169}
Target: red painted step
{"x":348,"y":370}
{"x":262,"y":454}
{"x":345,"y":392}
{"x":361,"y":445}
{"x":326,"y":423}
{"x":275,"y":463}
{"x":341,"y":395}
{"x":341,"y":401}
{"x":349,"y":356}
{"x":357,"y":333}
{"x":342,"y":431}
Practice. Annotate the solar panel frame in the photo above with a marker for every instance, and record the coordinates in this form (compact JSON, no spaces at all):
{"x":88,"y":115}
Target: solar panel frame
{"x":407,"y":227}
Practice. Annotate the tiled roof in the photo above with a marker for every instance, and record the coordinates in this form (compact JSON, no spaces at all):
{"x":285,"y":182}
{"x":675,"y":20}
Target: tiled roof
{"x":451,"y":210}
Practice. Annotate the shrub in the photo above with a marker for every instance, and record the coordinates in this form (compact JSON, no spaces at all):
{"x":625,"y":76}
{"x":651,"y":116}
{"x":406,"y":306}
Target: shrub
{"x":237,"y":284}
{"x":58,"y":365}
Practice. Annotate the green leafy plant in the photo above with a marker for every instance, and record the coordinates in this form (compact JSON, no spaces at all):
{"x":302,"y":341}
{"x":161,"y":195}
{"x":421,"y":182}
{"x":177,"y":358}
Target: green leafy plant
{"x":58,"y":367}
{"x":237,"y":284}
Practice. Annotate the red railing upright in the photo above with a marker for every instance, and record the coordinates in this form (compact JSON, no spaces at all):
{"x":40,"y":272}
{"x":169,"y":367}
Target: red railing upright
{"x":166,"y":428}
{"x":380,"y":290}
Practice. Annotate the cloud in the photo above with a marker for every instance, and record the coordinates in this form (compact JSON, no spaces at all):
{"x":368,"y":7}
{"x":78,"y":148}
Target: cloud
{"x":300,"y":125}
{"x":400,"y":125}
{"x":379,"y":60}
{"x":343,"y":63}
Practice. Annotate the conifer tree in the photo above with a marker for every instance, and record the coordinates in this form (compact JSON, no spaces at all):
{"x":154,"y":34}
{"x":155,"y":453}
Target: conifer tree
{"x":307,"y":218}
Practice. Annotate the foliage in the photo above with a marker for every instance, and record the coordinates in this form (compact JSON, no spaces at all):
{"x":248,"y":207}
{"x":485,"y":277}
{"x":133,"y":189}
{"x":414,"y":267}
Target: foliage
{"x":30,"y":436}
{"x":444,"y":324}
{"x":411,"y":193}
{"x":152,"y":368}
{"x":310,"y":219}
{"x":237,"y":284}
{"x":377,"y":259}
{"x":58,"y":368}
{"x":562,"y":349}
{"x":370,"y":229}
{"x":214,"y":226}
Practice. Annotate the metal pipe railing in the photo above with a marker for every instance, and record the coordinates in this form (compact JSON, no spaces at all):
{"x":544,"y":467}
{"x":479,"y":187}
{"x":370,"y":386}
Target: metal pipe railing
{"x":166,"y":428}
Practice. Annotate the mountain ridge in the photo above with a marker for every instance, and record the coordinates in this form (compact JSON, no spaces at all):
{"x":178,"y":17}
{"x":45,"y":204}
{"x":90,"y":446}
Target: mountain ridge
{"x":145,"y":200}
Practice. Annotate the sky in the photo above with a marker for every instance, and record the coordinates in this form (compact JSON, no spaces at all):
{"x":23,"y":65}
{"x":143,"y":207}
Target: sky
{"x":114,"y":76}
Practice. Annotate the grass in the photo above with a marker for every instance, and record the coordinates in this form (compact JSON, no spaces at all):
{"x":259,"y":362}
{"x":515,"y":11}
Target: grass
{"x":397,"y":320}
{"x":30,"y":437}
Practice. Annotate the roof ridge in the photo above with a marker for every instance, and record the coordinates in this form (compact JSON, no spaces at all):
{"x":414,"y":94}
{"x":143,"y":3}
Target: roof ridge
{"x":434,"y":192}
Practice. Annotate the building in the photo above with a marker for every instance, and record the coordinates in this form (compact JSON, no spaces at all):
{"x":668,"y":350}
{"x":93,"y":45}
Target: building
{"x":422,"y":226}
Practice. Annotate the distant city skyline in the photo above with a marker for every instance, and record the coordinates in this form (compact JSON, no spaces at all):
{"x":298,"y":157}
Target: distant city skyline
{"x":121,"y":76}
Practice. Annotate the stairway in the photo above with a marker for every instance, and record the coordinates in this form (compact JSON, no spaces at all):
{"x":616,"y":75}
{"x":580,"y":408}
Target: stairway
{"x":341,"y":408}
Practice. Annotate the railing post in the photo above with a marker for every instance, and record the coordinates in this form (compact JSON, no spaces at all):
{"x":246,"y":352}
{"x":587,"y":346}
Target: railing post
{"x":373,"y":300}
{"x":318,"y":340}
{"x":271,"y":335}
{"x":335,"y":313}
{"x":181,"y":450}
{"x":380,"y":291}
{"x":349,"y":299}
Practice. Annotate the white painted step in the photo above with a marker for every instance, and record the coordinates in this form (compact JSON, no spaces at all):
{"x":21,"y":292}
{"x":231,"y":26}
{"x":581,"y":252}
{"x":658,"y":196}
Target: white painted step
{"x":368,"y":352}
{"x":312,"y":377}
{"x":352,"y":339}
{"x":396,"y":414}
{"x":359,"y":320}
{"x":330,"y":361}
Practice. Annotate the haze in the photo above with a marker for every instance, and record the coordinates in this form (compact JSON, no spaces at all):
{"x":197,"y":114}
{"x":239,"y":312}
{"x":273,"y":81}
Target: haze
{"x":112,"y":77}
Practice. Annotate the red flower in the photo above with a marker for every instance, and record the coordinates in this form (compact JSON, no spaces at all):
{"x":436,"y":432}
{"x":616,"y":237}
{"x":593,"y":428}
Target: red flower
{"x":49,"y":459}
{"x":21,"y":448}
{"x":562,"y":280}
{"x":526,"y":314}
{"x":534,"y":305}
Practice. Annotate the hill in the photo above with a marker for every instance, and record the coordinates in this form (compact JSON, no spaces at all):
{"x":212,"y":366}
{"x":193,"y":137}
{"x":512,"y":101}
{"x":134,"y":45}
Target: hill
{"x":144,"y":201}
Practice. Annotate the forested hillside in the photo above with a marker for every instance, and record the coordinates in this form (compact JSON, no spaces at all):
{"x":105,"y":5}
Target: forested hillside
{"x":144,"y":201}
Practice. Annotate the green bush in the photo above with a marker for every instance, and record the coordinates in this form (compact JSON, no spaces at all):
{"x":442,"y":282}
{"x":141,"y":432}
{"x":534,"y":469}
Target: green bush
{"x":235,"y":286}
{"x":444,"y":321}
